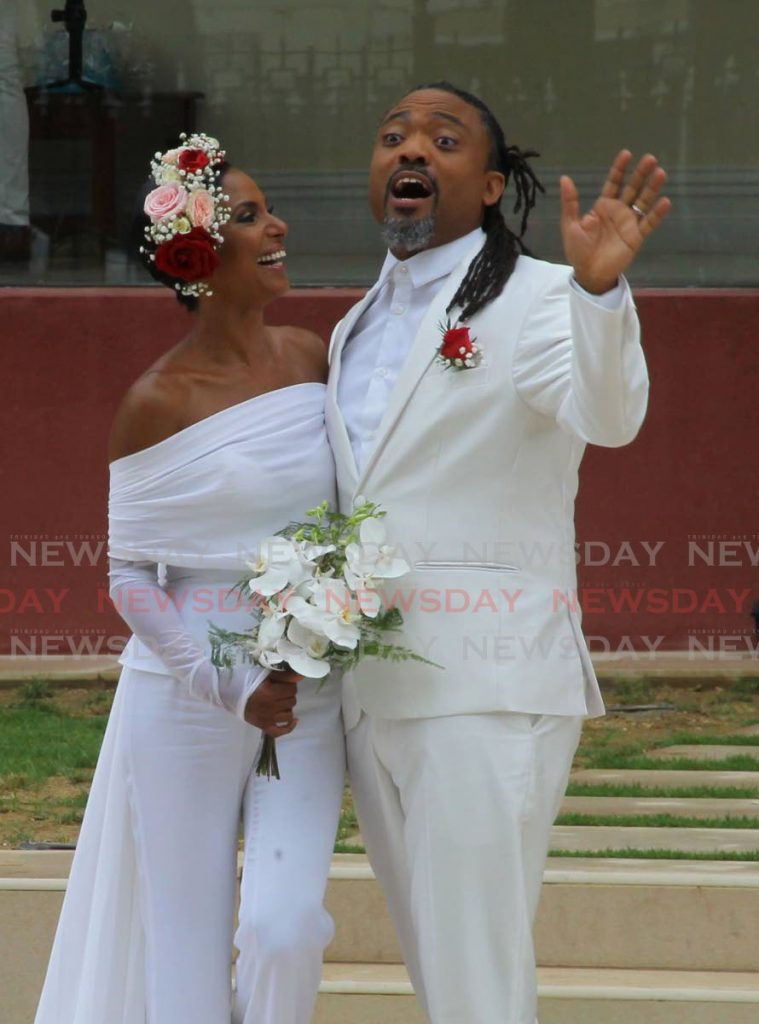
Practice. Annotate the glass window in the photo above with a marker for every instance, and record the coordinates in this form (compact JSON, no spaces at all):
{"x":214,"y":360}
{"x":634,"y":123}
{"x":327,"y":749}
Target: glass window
{"x":294,"y":90}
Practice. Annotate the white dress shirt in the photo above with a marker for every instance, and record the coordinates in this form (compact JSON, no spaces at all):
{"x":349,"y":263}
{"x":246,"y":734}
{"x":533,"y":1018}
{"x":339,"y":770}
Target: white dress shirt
{"x":376,"y":350}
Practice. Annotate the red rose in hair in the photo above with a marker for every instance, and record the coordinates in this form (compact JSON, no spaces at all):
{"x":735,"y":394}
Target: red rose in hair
{"x":189,"y":257}
{"x":454,"y":339}
{"x":192,"y":160}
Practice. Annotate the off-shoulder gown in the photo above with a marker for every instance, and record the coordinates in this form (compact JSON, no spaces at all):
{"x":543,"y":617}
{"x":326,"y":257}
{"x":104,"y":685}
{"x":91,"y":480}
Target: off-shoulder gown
{"x":146,"y":931}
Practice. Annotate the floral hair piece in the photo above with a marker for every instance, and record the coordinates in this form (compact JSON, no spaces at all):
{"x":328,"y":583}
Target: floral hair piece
{"x":187,"y":210}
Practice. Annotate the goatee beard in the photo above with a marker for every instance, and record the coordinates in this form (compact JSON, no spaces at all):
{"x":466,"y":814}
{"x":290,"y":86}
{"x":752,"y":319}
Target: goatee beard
{"x":408,"y":235}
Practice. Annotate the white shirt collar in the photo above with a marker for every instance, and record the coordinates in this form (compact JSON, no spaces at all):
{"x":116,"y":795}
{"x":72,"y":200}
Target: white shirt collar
{"x":432,"y":264}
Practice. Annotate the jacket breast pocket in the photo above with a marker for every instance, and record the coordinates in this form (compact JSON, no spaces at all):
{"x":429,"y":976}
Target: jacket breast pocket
{"x":442,"y":565}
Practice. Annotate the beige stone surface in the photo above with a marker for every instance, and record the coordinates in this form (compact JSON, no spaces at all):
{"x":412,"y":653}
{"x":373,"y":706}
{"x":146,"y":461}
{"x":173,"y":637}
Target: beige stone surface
{"x":676,"y":665}
{"x":704,"y":752}
{"x":35,"y":863}
{"x":363,"y":930}
{"x":366,"y":994}
{"x":682,"y":807}
{"x":27,"y":927}
{"x":642,"y":927}
{"x":665,"y":778}
{"x":631,"y":914}
{"x":640,"y":914}
{"x":687,"y":840}
{"x":59,"y":667}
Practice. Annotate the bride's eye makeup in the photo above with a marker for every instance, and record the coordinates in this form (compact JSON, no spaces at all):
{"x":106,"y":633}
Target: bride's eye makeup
{"x":247,"y":213}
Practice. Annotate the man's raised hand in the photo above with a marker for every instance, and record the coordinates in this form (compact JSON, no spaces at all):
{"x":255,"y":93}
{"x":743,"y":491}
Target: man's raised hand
{"x":602,"y":243}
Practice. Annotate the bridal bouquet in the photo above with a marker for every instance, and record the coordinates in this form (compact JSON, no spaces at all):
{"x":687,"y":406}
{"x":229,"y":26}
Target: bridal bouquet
{"x":318,"y":607}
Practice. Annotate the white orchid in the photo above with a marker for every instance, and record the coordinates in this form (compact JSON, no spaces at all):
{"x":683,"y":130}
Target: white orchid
{"x":304,"y":651}
{"x":279,"y":564}
{"x":263,"y":649}
{"x":365,"y":590}
{"x":331,"y":611}
{"x":372,"y":557}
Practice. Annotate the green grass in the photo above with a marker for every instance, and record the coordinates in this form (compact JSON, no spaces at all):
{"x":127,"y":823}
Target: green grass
{"x":745,"y":687}
{"x":35,"y":691}
{"x":639,"y":762}
{"x":630,"y":691}
{"x":51,"y":737}
{"x":655,"y":855}
{"x":348,"y":824}
{"x":345,"y":846}
{"x":698,"y":739}
{"x":638,"y":790}
{"x":39,"y":741}
{"x":656,"y":821}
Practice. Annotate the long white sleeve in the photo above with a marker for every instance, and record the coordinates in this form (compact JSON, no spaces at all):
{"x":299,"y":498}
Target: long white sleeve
{"x":582,"y":364}
{"x":153,"y":617}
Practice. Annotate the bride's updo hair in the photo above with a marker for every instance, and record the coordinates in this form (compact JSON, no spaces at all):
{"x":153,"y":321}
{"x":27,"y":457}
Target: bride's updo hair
{"x":182,"y":208}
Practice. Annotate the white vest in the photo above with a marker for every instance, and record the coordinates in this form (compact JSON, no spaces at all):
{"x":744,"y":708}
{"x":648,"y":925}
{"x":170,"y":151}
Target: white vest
{"x":477,"y":470}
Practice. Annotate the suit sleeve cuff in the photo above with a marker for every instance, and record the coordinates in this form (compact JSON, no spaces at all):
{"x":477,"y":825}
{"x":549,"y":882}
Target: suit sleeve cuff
{"x":610,"y":300}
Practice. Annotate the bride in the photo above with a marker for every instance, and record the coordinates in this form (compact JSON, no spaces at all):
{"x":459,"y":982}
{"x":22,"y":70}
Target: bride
{"x":217,"y":445}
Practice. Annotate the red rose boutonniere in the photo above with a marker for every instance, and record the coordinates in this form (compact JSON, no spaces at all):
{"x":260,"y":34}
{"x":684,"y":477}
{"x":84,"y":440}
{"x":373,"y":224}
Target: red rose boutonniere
{"x":458,"y":350}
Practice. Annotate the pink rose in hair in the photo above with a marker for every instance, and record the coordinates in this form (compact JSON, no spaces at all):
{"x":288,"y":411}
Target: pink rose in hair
{"x":166,"y":201}
{"x":201,"y":208}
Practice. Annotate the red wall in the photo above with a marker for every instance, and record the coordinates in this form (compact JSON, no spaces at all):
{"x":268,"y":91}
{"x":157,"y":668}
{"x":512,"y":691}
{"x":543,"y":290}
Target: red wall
{"x":689,"y":478}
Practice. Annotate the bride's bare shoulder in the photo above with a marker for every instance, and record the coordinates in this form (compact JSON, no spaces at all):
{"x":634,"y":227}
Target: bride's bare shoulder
{"x":153,"y":409}
{"x":309,"y":349}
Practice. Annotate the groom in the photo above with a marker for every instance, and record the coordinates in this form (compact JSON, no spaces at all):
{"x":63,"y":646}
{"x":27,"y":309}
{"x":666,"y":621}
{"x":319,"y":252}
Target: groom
{"x":458,"y":772}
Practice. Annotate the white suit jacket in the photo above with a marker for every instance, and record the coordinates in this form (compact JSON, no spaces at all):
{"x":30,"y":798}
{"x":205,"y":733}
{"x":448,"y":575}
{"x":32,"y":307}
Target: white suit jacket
{"x":477,"y":471}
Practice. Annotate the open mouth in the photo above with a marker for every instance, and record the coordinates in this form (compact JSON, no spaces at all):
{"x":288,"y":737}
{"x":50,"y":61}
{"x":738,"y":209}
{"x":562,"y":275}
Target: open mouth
{"x":273,"y":260}
{"x":409,"y":190}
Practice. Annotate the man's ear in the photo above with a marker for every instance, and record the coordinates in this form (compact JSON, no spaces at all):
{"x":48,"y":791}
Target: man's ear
{"x":495,"y":183}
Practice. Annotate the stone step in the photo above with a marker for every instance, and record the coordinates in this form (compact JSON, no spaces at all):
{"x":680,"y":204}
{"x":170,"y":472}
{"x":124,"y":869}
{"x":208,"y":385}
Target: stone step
{"x":586,"y":838}
{"x":631,"y":914}
{"x":382,"y":994}
{"x":600,"y":838}
{"x":683,"y":807}
{"x":705,"y":752}
{"x":678,"y":915}
{"x":665,"y":778}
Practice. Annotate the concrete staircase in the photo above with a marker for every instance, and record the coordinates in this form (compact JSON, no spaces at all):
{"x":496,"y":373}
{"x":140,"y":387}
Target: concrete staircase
{"x":620,"y":940}
{"x":617,"y":941}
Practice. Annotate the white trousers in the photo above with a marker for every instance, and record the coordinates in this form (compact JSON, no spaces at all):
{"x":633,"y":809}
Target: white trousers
{"x":190,"y":769}
{"x":456,"y":814}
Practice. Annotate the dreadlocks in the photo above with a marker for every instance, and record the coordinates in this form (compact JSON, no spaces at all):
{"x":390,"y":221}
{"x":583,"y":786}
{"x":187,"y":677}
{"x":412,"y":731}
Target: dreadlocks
{"x":493,"y":265}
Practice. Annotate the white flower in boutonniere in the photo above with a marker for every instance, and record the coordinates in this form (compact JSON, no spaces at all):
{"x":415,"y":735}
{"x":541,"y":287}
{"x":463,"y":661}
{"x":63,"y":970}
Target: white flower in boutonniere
{"x":458,"y":350}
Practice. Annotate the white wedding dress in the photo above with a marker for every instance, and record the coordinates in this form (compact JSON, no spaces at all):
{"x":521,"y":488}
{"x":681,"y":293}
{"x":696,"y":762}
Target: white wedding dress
{"x":195,"y":505}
